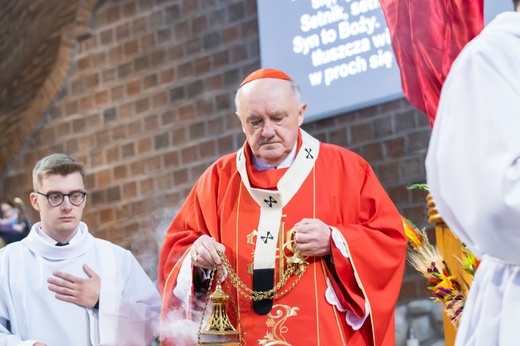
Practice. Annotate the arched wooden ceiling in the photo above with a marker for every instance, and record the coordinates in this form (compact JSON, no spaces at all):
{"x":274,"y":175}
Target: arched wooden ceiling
{"x":37,"y":43}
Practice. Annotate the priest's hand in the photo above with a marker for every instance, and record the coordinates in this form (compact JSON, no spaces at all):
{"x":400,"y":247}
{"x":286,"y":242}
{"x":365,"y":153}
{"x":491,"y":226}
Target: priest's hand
{"x":73,"y":289}
{"x":204,"y":252}
{"x":312,"y":237}
{"x":39,"y":344}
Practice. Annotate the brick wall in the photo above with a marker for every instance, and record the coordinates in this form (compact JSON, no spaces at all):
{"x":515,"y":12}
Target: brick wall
{"x":149,"y":106}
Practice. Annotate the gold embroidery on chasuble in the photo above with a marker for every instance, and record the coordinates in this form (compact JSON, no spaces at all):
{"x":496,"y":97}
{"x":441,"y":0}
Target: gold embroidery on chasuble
{"x":275,"y":322}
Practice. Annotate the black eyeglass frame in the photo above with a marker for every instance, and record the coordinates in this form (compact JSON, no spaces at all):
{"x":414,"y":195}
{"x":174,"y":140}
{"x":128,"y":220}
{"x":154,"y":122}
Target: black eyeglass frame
{"x":63,"y":195}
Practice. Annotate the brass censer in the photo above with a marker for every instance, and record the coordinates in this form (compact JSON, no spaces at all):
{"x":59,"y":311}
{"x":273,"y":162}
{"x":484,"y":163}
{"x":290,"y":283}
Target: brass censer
{"x":219,"y":330}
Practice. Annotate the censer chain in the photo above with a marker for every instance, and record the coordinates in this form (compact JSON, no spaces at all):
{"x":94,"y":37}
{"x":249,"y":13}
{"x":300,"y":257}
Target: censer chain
{"x":273,"y":293}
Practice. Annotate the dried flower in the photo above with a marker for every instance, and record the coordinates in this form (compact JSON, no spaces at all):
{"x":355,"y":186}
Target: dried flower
{"x":427,"y":260}
{"x":469,"y":262}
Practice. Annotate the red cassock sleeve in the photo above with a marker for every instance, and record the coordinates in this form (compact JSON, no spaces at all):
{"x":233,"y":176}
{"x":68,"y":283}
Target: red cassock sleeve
{"x":197,"y":216}
{"x":374,"y":268}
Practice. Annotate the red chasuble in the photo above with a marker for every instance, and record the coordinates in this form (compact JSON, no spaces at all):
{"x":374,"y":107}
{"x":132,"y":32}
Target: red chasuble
{"x":363,"y":274}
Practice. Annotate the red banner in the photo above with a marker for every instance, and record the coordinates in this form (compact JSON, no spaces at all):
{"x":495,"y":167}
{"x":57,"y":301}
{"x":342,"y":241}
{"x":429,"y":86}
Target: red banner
{"x":427,"y":36}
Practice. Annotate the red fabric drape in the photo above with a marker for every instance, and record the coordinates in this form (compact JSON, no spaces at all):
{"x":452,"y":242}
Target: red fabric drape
{"x":427,"y":35}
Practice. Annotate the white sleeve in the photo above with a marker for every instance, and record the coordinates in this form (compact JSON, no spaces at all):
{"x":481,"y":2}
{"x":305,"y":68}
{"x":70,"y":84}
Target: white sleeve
{"x":473,"y":160}
{"x":6,"y":338}
{"x":129,"y":308}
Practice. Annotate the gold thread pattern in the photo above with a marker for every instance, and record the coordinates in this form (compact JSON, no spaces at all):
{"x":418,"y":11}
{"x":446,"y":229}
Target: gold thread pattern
{"x":276,"y":321}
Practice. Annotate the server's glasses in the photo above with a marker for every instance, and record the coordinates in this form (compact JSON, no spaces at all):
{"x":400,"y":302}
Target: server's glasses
{"x":56,"y":198}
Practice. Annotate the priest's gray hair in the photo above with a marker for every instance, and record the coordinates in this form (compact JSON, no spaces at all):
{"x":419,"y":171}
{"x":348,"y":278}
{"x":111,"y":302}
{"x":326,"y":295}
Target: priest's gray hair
{"x":295,"y":87}
{"x":55,"y":164}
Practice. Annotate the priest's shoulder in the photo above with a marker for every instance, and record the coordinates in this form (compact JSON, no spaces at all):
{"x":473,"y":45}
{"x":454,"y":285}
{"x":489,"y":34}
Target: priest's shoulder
{"x":226,"y":163}
{"x":119,"y":250}
{"x":12,"y":249}
{"x":12,"y":246}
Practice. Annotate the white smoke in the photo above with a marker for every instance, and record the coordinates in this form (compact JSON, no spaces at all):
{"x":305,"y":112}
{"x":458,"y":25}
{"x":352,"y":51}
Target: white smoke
{"x":176,"y":327}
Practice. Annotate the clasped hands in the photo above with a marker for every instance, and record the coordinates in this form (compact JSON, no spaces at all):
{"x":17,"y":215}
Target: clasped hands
{"x":312,"y":237}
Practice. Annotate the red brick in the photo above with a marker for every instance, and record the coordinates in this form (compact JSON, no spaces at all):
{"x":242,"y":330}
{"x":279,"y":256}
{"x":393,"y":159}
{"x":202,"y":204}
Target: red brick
{"x":113,"y":14}
{"x":129,"y":190}
{"x":63,"y":130}
{"x":164,"y":35}
{"x":372,"y":152}
{"x":153,"y":163}
{"x":120,"y":172}
{"x":129,"y":10}
{"x":118,"y":133}
{"x":189,"y":154}
{"x":394,"y":147}
{"x":128,"y":150}
{"x":182,"y":30}
{"x":207,"y":149}
{"x":158,"y":58}
{"x":185,"y":70}
{"x":148,"y":42}
{"x":126,"y":110}
{"x":361,"y":133}
{"x":115,"y":54}
{"x":230,"y":34}
{"x":146,"y":186}
{"x":117,"y":93}
{"x":171,"y":159}
{"x":86,"y":103}
{"x":164,"y":182}
{"x":168,"y":117}
{"x":134,"y":128}
{"x":144,"y":145}
{"x":92,"y":80}
{"x":106,"y":36}
{"x":137,"y":168}
{"x":238,"y":54}
{"x":131,"y":48}
{"x":186,"y":112}
{"x":199,"y":25}
{"x":123,"y":212}
{"x":99,"y":59}
{"x":71,"y":107}
{"x":106,"y":215}
{"x":83,"y":63}
{"x":202,"y":65}
{"x":109,"y":75}
{"x":150,"y":81}
{"x":101,"y":98}
{"x":160,"y":99}
{"x":180,"y":176}
{"x":133,"y":87}
{"x":112,"y":155}
{"x":213,"y":83}
{"x":151,"y":123}
{"x":188,"y":7}
{"x":225,"y":145}
{"x":392,"y":106}
{"x":103,"y":178}
{"x":167,"y":76}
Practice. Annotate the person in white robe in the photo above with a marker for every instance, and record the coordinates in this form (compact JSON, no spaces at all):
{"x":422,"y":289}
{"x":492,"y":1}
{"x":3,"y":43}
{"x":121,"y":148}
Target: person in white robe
{"x":473,"y":172}
{"x":60,"y":286}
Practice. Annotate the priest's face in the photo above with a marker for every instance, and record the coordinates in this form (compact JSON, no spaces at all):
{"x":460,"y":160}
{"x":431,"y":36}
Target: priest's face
{"x":60,"y":221}
{"x":271,"y":114}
